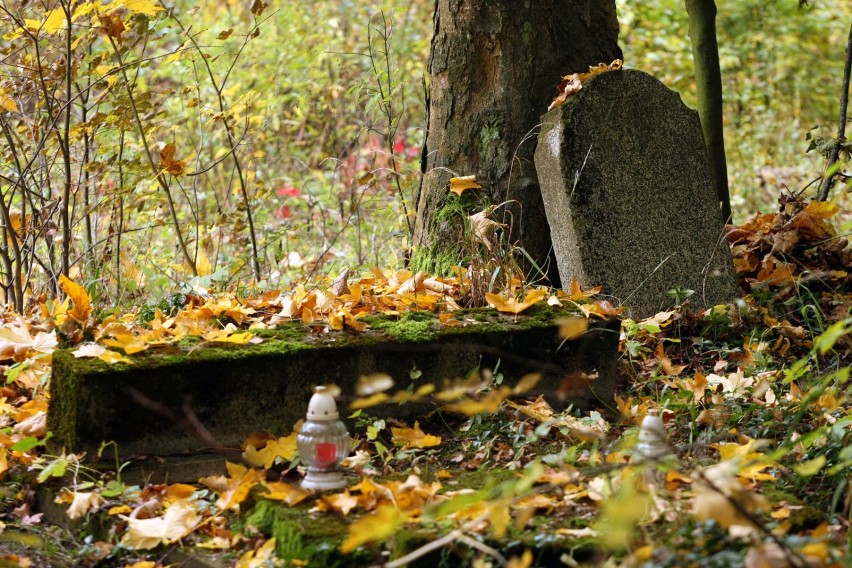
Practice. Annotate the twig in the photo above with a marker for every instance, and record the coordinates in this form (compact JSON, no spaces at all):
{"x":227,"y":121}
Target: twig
{"x":841,"y":127}
{"x":793,"y":556}
{"x":455,"y":535}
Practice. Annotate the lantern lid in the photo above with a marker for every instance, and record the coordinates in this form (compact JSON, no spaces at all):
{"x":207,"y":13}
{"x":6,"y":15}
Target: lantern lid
{"x":322,"y":406}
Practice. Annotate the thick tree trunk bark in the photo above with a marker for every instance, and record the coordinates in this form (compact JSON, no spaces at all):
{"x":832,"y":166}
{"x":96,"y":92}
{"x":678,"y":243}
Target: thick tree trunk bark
{"x":493,"y":70}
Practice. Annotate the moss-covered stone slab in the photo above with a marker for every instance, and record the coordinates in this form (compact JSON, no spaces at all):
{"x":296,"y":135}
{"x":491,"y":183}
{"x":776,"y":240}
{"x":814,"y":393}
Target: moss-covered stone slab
{"x":183,"y":400}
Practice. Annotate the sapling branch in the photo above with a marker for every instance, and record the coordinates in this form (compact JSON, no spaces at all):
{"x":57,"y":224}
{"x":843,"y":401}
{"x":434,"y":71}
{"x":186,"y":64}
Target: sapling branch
{"x":161,"y":179}
{"x":841,"y":126}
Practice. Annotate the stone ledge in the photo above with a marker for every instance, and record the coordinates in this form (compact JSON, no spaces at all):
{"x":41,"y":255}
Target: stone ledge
{"x":156,"y":406}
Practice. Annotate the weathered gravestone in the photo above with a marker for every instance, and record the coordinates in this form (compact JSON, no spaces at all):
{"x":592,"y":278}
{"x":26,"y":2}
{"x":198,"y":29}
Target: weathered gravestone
{"x":627,"y":190}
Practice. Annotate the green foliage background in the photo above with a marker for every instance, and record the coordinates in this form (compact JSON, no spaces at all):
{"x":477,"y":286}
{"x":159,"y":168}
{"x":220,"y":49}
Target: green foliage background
{"x":323,"y":103}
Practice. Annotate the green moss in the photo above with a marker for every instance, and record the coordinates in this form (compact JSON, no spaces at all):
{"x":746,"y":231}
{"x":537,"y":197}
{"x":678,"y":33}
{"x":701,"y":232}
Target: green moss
{"x":301,"y":536}
{"x":413,"y":327}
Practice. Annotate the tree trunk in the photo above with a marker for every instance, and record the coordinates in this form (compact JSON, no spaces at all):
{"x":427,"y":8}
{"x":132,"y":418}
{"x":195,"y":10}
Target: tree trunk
{"x":493,"y":68}
{"x":708,"y":81}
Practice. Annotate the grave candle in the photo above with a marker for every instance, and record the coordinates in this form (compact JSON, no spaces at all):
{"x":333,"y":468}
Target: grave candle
{"x":323,"y":443}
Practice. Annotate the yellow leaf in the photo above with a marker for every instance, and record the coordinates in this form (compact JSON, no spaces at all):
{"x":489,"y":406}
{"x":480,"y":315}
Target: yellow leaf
{"x":524,"y":561}
{"x":228,"y":336}
{"x":82,"y":303}
{"x":178,"y":521}
{"x":342,"y":502}
{"x":414,"y":437}
{"x":370,"y":401}
{"x":284,"y":448}
{"x":373,"y":383}
{"x":376,"y":527}
{"x":202,"y":264}
{"x":513,"y":306}
{"x":147,"y":7}
{"x":284,"y":492}
{"x":263,"y":556}
{"x":112,"y":357}
{"x":809,"y":468}
{"x":822,"y":209}
{"x":459,"y":185}
{"x":526,"y":383}
{"x":572,"y":328}
{"x":7,"y":103}
{"x":127,"y":341}
{"x":490,"y":403}
{"x":238,"y":489}
{"x":55,"y":21}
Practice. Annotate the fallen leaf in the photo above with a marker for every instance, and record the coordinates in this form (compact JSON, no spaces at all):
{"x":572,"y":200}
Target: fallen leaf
{"x":511,"y":305}
{"x":82,"y":503}
{"x":382,"y":523}
{"x":459,"y":185}
{"x":284,"y":447}
{"x":178,"y":521}
{"x":414,"y":437}
{"x":82,"y":303}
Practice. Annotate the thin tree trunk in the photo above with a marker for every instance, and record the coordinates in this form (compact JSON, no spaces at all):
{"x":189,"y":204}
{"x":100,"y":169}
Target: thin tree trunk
{"x":493,"y":69}
{"x":708,"y":80}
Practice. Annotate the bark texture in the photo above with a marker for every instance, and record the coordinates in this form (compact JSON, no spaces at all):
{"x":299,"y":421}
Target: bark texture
{"x":493,"y":69}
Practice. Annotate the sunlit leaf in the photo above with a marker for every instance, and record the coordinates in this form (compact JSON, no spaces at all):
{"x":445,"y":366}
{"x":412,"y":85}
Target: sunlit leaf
{"x":459,"y":185}
{"x":375,"y":527}
{"x":284,"y":448}
{"x":177,"y":522}
{"x":82,"y":303}
{"x":511,"y":305}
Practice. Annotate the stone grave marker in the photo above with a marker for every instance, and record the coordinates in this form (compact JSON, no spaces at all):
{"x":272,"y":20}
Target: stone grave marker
{"x":628,"y":195}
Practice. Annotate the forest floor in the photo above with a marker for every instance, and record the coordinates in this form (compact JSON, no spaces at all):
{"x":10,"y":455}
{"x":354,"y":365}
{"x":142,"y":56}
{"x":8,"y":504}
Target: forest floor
{"x":754,"y":397}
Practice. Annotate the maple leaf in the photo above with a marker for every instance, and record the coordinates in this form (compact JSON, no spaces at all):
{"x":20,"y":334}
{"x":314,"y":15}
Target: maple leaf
{"x":82,"y":303}
{"x":178,"y":521}
{"x":342,"y":502}
{"x":55,"y":21}
{"x":459,"y":185}
{"x":414,"y":437}
{"x":112,"y":26}
{"x":511,"y":305}
{"x":238,"y":486}
{"x":168,"y":162}
{"x":284,"y":448}
{"x":379,"y":525}
{"x":577,"y":294}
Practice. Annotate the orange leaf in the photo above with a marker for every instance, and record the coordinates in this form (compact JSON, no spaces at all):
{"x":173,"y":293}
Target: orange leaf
{"x":168,"y":162}
{"x":82,"y":303}
{"x":513,"y":306}
{"x":459,"y":185}
{"x":414,"y":437}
